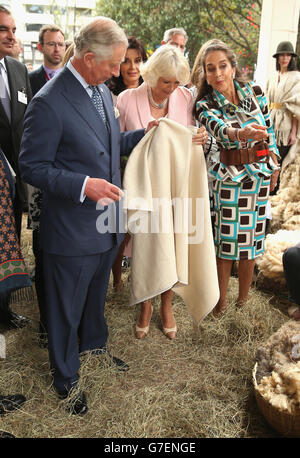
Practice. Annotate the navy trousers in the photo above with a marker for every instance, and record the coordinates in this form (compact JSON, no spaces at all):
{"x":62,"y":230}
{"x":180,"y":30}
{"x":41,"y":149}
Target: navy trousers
{"x":75,"y":299}
{"x":291,"y":267}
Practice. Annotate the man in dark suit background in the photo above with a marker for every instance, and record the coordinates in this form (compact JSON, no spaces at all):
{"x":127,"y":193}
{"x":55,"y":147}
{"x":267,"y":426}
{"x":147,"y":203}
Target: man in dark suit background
{"x":15,"y":94}
{"x":17,"y":49}
{"x":71,"y":150}
{"x":52,"y":45}
{"x":175,"y":37}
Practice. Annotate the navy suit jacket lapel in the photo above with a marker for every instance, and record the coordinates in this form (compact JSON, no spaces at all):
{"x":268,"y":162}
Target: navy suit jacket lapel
{"x":108,"y":105}
{"x":107,"y":102}
{"x":42,"y":78}
{"x":81,"y":101}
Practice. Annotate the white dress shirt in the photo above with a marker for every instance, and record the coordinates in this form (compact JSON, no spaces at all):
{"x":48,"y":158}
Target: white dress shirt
{"x":4,"y":74}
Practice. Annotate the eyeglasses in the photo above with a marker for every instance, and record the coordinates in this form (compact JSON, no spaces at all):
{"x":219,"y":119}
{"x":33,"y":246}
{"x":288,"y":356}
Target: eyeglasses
{"x":52,"y":44}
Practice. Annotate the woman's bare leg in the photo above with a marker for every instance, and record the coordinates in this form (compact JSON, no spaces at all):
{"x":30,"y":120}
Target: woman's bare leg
{"x":224,"y":267}
{"x":245,"y":272}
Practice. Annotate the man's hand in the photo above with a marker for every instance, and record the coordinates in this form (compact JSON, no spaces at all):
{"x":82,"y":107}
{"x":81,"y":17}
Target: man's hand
{"x":100,"y":190}
{"x":152,"y":124}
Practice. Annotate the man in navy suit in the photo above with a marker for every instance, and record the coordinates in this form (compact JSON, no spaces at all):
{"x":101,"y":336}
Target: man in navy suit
{"x":73,"y":154}
{"x":52,"y":45}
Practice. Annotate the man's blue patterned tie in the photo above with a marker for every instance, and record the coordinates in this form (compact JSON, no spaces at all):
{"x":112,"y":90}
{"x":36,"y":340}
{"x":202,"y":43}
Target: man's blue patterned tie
{"x":98,"y":102}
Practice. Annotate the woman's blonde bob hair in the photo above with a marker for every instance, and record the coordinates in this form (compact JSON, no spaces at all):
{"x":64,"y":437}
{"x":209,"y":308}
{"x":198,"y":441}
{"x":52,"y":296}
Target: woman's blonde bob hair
{"x":167,"y":62}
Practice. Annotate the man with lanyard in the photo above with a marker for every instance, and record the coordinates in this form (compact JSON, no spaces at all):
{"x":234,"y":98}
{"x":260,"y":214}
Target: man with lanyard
{"x":52,"y":45}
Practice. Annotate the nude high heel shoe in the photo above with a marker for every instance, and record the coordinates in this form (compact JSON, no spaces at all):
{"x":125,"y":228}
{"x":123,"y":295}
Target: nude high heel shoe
{"x":170,"y":332}
{"x":141,"y":333}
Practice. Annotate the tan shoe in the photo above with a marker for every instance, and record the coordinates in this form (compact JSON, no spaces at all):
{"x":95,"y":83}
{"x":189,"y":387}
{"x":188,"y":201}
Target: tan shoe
{"x":170,"y":332}
{"x":141,"y":333}
{"x":294,"y":312}
{"x":219,"y":309}
{"x":240,"y":303}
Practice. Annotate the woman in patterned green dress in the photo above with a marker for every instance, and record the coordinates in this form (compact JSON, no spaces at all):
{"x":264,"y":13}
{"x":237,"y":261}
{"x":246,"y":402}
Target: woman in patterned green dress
{"x":236,"y":113}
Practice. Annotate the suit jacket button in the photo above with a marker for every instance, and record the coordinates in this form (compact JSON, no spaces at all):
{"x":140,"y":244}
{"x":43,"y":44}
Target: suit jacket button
{"x":101,"y":153}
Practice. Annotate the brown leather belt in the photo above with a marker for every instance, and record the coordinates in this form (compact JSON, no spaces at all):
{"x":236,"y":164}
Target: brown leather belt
{"x":245,"y":155}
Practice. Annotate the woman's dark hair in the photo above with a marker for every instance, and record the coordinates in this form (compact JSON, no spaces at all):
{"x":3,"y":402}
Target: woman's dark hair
{"x":292,"y":64}
{"x":116,"y":84}
{"x":198,"y":77}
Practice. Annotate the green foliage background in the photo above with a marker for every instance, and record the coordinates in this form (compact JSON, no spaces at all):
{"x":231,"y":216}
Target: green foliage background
{"x":234,"y":21}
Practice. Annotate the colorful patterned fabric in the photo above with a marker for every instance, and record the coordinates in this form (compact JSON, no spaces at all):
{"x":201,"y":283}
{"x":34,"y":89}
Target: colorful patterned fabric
{"x":240,"y":218}
{"x":240,"y":192}
{"x":217,"y":114}
{"x":13,"y":273}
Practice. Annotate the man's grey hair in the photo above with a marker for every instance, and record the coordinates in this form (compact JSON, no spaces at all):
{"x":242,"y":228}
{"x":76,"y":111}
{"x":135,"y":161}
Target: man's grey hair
{"x":5,"y":10}
{"x":100,"y":37}
{"x":175,"y":31}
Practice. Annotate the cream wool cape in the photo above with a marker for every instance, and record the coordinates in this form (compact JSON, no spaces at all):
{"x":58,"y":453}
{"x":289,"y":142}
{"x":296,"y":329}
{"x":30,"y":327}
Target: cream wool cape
{"x":166,"y":165}
{"x":287,"y":94}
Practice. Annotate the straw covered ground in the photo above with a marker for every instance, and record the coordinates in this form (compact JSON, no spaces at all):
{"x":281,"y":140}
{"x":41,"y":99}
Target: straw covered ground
{"x":197,"y":386}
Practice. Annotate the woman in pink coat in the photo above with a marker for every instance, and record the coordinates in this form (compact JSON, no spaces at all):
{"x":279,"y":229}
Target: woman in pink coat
{"x":161,"y":95}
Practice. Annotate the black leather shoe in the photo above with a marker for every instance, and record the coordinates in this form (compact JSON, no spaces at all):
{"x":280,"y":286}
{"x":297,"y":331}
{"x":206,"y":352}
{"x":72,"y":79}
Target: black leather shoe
{"x":6,"y":435}
{"x":120,"y":365}
{"x":113,"y":360}
{"x":43,"y":340}
{"x":13,"y":321}
{"x":42,"y":337}
{"x":76,"y":402}
{"x":11,"y":402}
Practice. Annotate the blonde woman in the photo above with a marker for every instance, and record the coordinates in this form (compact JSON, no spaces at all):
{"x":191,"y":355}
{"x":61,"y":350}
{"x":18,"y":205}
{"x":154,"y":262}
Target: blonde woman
{"x":161,"y":95}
